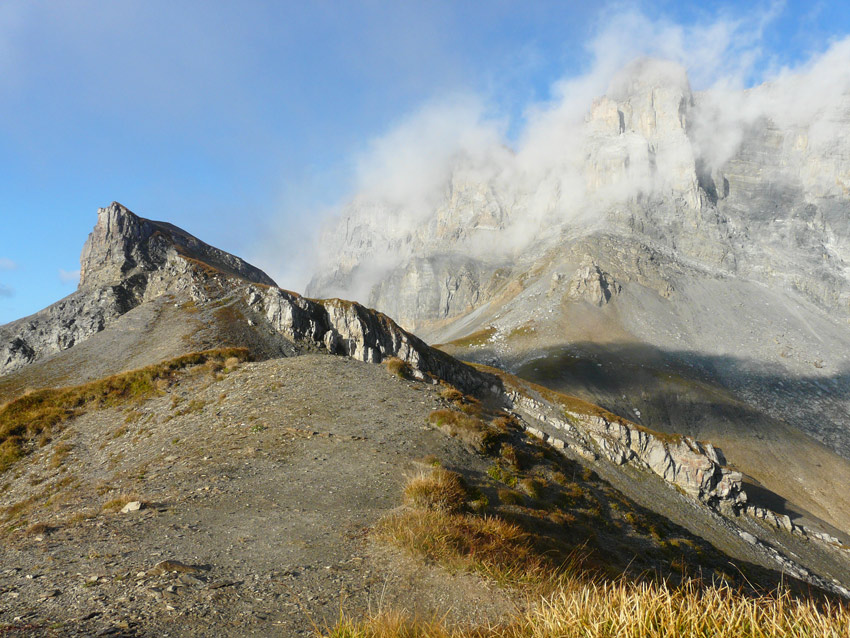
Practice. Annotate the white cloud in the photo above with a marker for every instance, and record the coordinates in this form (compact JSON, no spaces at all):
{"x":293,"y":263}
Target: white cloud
{"x":409,"y":168}
{"x":7,"y":264}
{"x":404,"y":177}
{"x":69,"y":276}
{"x":5,"y":291}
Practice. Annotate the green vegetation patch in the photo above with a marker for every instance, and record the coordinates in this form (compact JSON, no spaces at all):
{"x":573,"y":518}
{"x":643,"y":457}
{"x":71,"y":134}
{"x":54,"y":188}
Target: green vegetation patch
{"x":476,"y":339}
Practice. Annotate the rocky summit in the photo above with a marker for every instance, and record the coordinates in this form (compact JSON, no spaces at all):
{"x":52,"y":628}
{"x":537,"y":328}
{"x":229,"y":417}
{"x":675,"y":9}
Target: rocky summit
{"x":187,"y":449}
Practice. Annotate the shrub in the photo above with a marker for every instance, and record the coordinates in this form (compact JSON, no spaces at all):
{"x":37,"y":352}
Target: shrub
{"x":499,"y":472}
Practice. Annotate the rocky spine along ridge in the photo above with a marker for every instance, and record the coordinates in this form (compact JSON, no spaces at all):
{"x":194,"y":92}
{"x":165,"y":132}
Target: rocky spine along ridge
{"x":128,"y":260}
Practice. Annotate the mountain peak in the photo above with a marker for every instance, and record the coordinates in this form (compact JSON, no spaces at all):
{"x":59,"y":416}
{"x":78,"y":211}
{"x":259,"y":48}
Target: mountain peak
{"x":645,"y":74}
{"x":123,"y":244}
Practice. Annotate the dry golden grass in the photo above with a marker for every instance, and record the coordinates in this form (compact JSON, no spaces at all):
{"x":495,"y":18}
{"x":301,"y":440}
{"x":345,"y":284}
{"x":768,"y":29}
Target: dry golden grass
{"x":36,"y":414}
{"x":399,"y":368}
{"x":435,"y":526}
{"x":564,"y":601}
{"x":451,"y":393}
{"x":624,"y":609}
{"x":439,"y":490}
{"x":650,"y":610}
{"x":488,"y":545}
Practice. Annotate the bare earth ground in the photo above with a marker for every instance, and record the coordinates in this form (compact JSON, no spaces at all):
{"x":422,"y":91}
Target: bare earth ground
{"x":262,"y":483}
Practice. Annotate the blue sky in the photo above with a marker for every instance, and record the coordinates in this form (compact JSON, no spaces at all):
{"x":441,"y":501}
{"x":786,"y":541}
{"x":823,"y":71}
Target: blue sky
{"x":245,"y":123}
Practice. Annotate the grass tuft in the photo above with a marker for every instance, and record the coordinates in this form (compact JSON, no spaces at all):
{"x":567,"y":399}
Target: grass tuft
{"x":435,"y":525}
{"x":439,"y":490}
{"x":626,"y":609}
{"x":474,"y":432}
{"x":398,"y":367}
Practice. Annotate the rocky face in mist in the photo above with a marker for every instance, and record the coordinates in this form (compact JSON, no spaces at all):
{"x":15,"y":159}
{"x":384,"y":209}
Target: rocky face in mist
{"x":733,"y":184}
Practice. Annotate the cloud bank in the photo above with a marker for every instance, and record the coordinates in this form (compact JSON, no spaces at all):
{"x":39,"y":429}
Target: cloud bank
{"x":406,"y":177}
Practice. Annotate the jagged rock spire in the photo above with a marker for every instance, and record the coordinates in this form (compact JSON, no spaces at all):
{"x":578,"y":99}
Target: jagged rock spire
{"x":123,"y":244}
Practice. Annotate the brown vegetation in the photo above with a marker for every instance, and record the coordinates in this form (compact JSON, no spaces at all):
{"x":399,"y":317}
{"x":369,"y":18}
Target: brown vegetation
{"x":474,"y":432}
{"x":595,"y":609}
{"x":398,"y":367}
{"x":439,"y":490}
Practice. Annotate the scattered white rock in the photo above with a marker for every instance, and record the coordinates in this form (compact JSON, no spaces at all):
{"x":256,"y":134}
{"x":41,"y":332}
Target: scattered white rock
{"x":132,"y":506}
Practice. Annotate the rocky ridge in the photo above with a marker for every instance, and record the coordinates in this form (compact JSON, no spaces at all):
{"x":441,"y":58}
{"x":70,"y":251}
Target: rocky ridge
{"x":125,"y":261}
{"x":694,"y":467}
{"x":128,"y":260}
{"x":156,"y":268}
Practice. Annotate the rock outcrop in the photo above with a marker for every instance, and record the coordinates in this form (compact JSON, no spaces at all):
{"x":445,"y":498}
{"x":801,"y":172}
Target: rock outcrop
{"x":592,"y":284}
{"x":690,"y":465}
{"x":123,"y":244}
